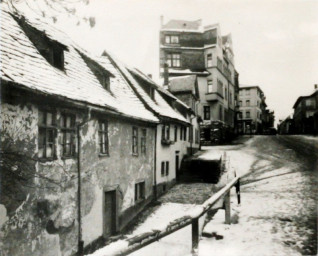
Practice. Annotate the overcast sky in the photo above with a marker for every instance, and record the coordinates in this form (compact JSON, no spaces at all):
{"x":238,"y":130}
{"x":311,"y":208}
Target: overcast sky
{"x":275,"y":42}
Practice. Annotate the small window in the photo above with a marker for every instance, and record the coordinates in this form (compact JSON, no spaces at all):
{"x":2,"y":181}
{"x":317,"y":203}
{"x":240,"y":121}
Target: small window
{"x":167,"y":168}
{"x":225,"y":93}
{"x":173,"y":60}
{"x":172,"y":39}
{"x":139,"y":191}
{"x":143,"y":141}
{"x":162,"y":169}
{"x":210,"y":86}
{"x":103,"y":137}
{"x":175,"y":133}
{"x":47,"y":134}
{"x":185,"y":134}
{"x":247,"y":92}
{"x":247,"y":103}
{"x":209,"y":60}
{"x":248,"y":114}
{"x":165,"y":133}
{"x":240,"y":115}
{"x":206,"y":113}
{"x":135,"y":140}
{"x":68,"y":134}
{"x":240,"y":103}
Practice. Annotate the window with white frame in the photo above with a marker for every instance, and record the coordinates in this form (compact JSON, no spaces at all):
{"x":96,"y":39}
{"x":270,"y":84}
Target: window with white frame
{"x":210,"y":85}
{"x":47,"y":134}
{"x":139,"y":191}
{"x":173,"y":60}
{"x":209,"y":60}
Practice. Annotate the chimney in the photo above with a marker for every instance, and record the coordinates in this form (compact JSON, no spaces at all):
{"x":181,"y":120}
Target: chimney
{"x":165,"y":75}
{"x":161,"y":21}
{"x":150,"y":76}
{"x":316,"y":86}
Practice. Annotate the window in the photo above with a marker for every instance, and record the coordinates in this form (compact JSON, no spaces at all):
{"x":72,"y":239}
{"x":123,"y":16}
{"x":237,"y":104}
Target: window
{"x":219,"y":63}
{"x":240,"y":103}
{"x":47,"y":133}
{"x":209,"y":60}
{"x":162,"y":169}
{"x":221,"y":113}
{"x":230,"y":98}
{"x":225,"y":92}
{"x":247,"y":91}
{"x":181,"y":133}
{"x":248,"y":114}
{"x":165,"y":132}
{"x":135,"y":141}
{"x":139,"y":191}
{"x":143,"y":141}
{"x":173,"y":60}
{"x":247,"y":103}
{"x":68,"y":134}
{"x":172,"y":39}
{"x":175,"y":133}
{"x":210,"y":86}
{"x":103,"y":137}
{"x":240,"y":115}
{"x":167,"y":168}
{"x":220,"y":87}
{"x":206,"y":113}
{"x":185,"y":134}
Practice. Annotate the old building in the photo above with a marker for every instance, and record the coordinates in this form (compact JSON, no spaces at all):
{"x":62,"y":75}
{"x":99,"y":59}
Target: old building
{"x":306,"y":113}
{"x":174,"y":138}
{"x":252,"y":104}
{"x":77,"y":143}
{"x":186,"y":49}
{"x":287,"y":125}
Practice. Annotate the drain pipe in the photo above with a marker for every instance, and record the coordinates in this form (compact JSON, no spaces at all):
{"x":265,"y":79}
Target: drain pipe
{"x":80,"y":250}
{"x":155,"y":166}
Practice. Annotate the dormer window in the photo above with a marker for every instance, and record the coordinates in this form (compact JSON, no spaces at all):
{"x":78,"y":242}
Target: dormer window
{"x":102,"y":75}
{"x":51,"y":50}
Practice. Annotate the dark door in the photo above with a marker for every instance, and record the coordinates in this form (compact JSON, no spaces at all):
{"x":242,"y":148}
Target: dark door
{"x":110,"y":213}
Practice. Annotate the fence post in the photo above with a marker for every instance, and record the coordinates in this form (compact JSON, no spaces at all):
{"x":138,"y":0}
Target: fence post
{"x":195,"y":234}
{"x":237,"y":186}
{"x":227,"y":206}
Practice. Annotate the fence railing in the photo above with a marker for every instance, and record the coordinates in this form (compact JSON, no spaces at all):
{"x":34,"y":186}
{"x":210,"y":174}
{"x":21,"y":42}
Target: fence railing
{"x":135,"y":243}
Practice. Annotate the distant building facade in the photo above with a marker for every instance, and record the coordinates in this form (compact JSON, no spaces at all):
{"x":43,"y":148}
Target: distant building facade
{"x":252,"y":105}
{"x":186,"y":49}
{"x":306,"y":113}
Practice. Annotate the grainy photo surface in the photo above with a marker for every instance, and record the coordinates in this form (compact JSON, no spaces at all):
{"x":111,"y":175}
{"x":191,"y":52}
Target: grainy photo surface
{"x":159,"y":128}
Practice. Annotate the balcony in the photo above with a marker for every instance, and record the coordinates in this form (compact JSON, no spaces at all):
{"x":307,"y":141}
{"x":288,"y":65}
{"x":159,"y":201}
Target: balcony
{"x":213,"y":96}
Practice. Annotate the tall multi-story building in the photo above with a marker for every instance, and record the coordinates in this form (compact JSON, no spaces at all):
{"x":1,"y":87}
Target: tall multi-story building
{"x":188,"y":48}
{"x":252,"y":105}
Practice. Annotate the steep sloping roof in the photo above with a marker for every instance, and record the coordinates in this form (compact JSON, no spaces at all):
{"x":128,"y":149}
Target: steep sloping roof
{"x":183,"y":84}
{"x":183,"y":25}
{"x":23,"y":65}
{"x":159,"y":105}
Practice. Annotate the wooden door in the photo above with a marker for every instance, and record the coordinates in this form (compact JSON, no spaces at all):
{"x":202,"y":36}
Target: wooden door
{"x":110,"y":213}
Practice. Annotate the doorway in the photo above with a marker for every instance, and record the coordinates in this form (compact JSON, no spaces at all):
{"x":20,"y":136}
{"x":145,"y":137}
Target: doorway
{"x":109,"y":213}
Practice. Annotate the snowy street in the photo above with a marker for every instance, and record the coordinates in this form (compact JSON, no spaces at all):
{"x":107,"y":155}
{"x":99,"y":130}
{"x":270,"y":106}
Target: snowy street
{"x":278,"y":213}
{"x":278,"y":210}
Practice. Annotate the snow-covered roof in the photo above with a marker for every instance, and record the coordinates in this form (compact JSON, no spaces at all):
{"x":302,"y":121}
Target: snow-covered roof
{"x":23,"y":65}
{"x":158,"y":105}
{"x":182,"y":84}
{"x":187,"y":72}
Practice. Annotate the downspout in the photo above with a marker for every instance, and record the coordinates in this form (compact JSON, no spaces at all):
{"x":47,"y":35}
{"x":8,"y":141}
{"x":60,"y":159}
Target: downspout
{"x":155,"y":166}
{"x":80,"y":250}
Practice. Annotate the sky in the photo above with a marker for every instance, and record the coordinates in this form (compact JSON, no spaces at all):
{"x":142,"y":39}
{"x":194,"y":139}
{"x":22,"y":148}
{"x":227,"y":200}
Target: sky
{"x":275,"y":42}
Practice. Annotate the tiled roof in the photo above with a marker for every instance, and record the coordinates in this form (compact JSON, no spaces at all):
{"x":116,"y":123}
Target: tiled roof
{"x":183,"y":25}
{"x":159,"y":105}
{"x":182,"y":84}
{"x":25,"y":66}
